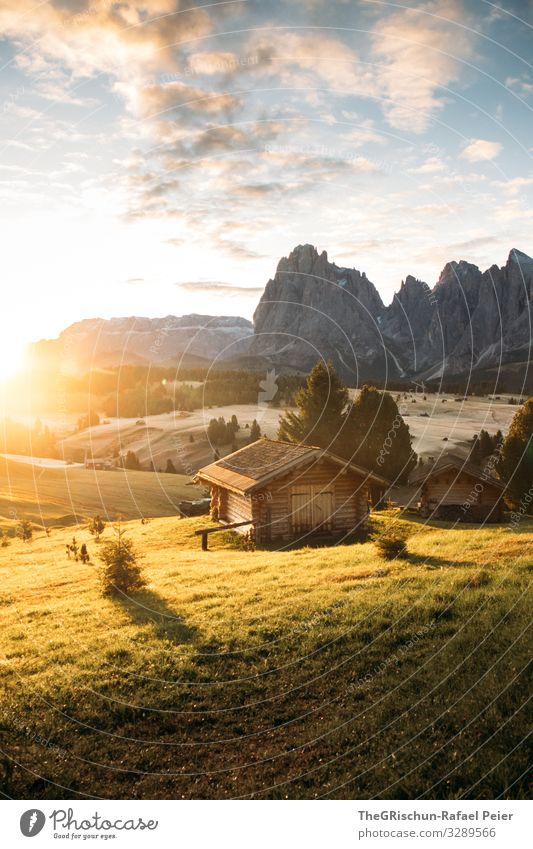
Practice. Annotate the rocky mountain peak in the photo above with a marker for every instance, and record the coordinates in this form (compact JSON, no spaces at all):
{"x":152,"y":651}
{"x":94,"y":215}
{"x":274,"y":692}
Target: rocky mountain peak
{"x":410,"y":288}
{"x":302,"y":259}
{"x":519,"y":257}
{"x":459,"y":272}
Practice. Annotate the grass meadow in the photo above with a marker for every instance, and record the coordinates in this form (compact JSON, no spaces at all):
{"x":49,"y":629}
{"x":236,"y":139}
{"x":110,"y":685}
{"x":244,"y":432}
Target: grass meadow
{"x":269,"y":674}
{"x":64,"y":495}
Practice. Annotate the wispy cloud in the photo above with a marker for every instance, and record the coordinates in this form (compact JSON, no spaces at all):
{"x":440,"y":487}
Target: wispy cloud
{"x":479,"y":150}
{"x":420,"y":51}
{"x":213,"y":287}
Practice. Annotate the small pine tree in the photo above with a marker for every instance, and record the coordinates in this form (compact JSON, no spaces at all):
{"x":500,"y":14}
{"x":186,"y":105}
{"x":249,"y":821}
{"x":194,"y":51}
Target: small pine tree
{"x":391,"y":544}
{"x":96,"y":527}
{"x":132,"y":461}
{"x":25,"y":530}
{"x":74,"y":547}
{"x":4,"y":539}
{"x":170,"y":468}
{"x":255,"y":431}
{"x":121,"y":573}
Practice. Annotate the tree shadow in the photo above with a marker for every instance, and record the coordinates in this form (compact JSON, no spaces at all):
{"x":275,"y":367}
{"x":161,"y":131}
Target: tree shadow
{"x":432,"y":562}
{"x":148,"y":608}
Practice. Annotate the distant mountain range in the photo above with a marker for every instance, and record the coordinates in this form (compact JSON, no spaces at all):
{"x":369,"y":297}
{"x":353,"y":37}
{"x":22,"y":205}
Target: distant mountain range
{"x":469,"y":322}
{"x":188,"y":340}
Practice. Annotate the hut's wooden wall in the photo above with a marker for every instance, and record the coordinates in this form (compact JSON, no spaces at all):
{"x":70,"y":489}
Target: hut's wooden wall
{"x":234,"y":507}
{"x":452,"y":488}
{"x":273,"y":506}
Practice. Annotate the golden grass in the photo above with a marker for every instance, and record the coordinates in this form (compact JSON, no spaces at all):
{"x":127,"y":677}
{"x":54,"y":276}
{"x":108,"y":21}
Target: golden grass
{"x":63,"y":496}
{"x":267,"y":650}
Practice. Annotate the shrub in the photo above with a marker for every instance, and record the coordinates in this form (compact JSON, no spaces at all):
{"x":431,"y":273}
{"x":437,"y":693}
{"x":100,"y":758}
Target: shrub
{"x":25,"y":530}
{"x":120,"y":573}
{"x":239,"y":542}
{"x":391,"y":544}
{"x":4,"y":538}
{"x":96,"y":527}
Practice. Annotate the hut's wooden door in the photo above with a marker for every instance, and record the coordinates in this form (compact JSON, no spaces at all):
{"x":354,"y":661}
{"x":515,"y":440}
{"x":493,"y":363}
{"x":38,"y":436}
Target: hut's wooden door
{"x":323,"y":511}
{"x":311,"y":509}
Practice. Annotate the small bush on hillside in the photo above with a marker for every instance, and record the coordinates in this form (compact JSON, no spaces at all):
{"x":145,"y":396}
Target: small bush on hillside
{"x":239,"y":542}
{"x":121,"y":573}
{"x":25,"y":530}
{"x":4,"y":539}
{"x":391,"y":544}
{"x":96,"y":527}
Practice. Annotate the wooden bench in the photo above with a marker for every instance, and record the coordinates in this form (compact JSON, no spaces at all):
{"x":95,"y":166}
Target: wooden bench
{"x":204,"y":532}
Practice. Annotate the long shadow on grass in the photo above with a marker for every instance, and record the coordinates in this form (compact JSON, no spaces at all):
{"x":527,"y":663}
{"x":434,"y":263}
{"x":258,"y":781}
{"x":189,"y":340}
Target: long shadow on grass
{"x":437,"y":562}
{"x":149,"y":608}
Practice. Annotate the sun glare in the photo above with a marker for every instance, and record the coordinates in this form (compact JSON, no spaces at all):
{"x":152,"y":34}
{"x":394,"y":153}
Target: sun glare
{"x":11,"y":355}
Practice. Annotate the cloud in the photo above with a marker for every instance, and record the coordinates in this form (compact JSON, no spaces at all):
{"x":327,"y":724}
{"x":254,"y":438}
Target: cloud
{"x":521,"y":85}
{"x":420,"y":51}
{"x":515,"y":185}
{"x":320,"y":57}
{"x":220,"y":63}
{"x":175,"y":242}
{"x":433,"y":165}
{"x":213,"y":287}
{"x":236,"y":250}
{"x":178,"y":97}
{"x":126,"y":39}
{"x":480,"y":150}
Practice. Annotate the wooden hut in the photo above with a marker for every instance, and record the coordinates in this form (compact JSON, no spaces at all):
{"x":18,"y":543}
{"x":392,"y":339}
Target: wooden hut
{"x":286,"y":491}
{"x":455,"y":489}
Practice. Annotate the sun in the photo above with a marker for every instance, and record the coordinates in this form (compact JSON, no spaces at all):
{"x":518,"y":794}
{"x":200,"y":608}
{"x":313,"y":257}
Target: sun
{"x":12,"y":350}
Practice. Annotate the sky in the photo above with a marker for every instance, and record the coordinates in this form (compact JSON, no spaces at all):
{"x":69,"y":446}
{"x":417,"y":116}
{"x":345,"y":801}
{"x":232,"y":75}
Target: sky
{"x":159,"y":157}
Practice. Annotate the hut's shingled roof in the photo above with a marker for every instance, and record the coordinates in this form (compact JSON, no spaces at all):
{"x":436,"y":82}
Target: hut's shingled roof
{"x":251,"y":467}
{"x":455,"y":463}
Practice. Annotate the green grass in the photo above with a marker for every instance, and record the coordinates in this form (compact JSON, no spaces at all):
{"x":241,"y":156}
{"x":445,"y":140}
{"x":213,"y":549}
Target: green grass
{"x":269,"y":674}
{"x":61,"y":496}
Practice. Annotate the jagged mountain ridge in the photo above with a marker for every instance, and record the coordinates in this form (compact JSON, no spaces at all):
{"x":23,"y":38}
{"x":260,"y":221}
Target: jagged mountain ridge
{"x":190,"y":340}
{"x":468,"y":320}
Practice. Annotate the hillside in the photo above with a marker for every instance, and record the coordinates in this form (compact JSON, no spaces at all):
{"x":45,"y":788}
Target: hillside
{"x":63,"y":496}
{"x":269,"y":674}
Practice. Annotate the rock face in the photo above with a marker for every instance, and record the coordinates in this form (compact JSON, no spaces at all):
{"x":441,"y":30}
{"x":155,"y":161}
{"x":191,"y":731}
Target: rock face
{"x":141,"y":341}
{"x":313,"y":308}
{"x":469,"y":320}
